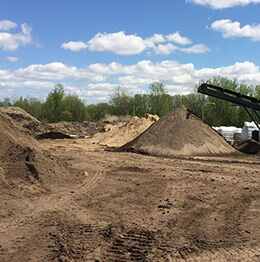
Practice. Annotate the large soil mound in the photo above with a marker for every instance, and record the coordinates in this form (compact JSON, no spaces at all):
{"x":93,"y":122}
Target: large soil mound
{"x":121,"y":133}
{"x":180,"y":133}
{"x":23,"y":165}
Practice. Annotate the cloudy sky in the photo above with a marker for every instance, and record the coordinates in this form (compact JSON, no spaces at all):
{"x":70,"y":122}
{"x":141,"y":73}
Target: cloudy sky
{"x":91,"y":46}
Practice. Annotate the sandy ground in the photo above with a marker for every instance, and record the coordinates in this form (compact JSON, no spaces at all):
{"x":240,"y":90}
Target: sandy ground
{"x":131,"y":207}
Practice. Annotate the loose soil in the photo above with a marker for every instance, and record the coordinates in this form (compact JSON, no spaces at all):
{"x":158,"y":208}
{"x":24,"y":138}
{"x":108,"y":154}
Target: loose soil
{"x":131,"y":207}
{"x":75,"y":128}
{"x":26,"y":169}
{"x":69,"y":200}
{"x":180,"y":133}
{"x":122,"y":133}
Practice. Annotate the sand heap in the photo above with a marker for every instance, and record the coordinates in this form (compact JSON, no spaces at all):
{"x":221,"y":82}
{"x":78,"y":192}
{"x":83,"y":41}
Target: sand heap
{"x":180,"y":133}
{"x":22,"y":163}
{"x":121,"y":133}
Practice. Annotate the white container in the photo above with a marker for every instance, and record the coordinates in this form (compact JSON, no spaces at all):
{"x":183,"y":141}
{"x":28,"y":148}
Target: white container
{"x":228,"y":133}
{"x":247,"y":130}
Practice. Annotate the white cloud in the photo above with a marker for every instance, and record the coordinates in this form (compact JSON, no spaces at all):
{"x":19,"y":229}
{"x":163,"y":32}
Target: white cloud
{"x":12,"y":59}
{"x":174,"y":74}
{"x":57,"y":71}
{"x":196,"y":49}
{"x":221,"y":4}
{"x":101,"y":92}
{"x":178,"y":89}
{"x":165,"y":49}
{"x":156,"y":38}
{"x":6,"y":25}
{"x":122,"y":44}
{"x":233,"y":29}
{"x":74,"y":46}
{"x":136,"y":81}
{"x":178,"y":39}
{"x":96,"y":82}
{"x":38,"y":85}
{"x":119,"y":43}
{"x":11,"y":42}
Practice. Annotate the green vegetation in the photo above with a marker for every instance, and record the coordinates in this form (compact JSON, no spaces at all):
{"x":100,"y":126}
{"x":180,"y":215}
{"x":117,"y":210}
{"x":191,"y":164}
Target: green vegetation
{"x":61,"y":107}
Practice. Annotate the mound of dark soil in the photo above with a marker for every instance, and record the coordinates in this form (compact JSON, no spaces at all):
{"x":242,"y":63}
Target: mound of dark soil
{"x":250,"y":146}
{"x":23,"y":165}
{"x":180,"y":133}
{"x":52,"y":135}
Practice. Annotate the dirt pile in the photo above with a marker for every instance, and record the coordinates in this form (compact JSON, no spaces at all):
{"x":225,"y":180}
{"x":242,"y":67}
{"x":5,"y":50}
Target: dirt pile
{"x":250,"y":146}
{"x":35,"y":127}
{"x":19,"y":115}
{"x":23,"y":164}
{"x":121,"y":133}
{"x":75,"y":128}
{"x":180,"y":132}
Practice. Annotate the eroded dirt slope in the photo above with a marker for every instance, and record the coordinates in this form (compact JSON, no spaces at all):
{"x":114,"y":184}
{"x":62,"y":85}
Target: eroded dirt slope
{"x":25,"y":168}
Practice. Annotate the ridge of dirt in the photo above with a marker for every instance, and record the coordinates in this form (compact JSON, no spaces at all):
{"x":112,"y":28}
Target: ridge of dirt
{"x":180,"y":133}
{"x":121,"y":133}
{"x":35,"y":127}
{"x":75,"y":128}
{"x":25,"y":168}
{"x":18,"y":114}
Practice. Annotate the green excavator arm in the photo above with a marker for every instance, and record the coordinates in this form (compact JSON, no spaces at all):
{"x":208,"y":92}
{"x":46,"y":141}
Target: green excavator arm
{"x":247,"y":102}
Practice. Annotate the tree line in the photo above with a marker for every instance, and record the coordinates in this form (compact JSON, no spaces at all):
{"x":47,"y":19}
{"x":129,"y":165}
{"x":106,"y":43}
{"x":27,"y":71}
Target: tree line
{"x":61,"y":107}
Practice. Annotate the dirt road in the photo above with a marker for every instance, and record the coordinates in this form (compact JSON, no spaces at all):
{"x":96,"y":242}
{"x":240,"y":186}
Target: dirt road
{"x":130,"y":207}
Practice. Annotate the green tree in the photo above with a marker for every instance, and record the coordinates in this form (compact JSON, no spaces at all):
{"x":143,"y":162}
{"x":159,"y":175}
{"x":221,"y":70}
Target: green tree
{"x":120,"y":100}
{"x":53,"y":104}
{"x":75,"y":107}
{"x":160,"y":101}
{"x":140,"y":104}
{"x":67,"y":116}
{"x":98,"y":111}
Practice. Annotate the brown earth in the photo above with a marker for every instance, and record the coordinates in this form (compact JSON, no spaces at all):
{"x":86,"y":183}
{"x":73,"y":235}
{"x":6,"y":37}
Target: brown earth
{"x":26,"y":169}
{"x":132,"y":207}
{"x":75,"y":128}
{"x":122,"y":133}
{"x":35,"y":127}
{"x":19,"y":115}
{"x":180,"y":133}
{"x":69,"y":200}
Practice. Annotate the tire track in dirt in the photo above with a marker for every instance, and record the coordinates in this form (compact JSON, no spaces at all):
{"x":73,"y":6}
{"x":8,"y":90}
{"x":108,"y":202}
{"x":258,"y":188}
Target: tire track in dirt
{"x":48,"y":210}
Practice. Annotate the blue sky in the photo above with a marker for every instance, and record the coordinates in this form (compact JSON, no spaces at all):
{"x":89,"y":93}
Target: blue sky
{"x":91,"y":46}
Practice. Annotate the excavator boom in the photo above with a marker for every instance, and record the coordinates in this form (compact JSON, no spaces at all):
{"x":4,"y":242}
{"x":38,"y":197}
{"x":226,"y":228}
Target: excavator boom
{"x":234,"y":97}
